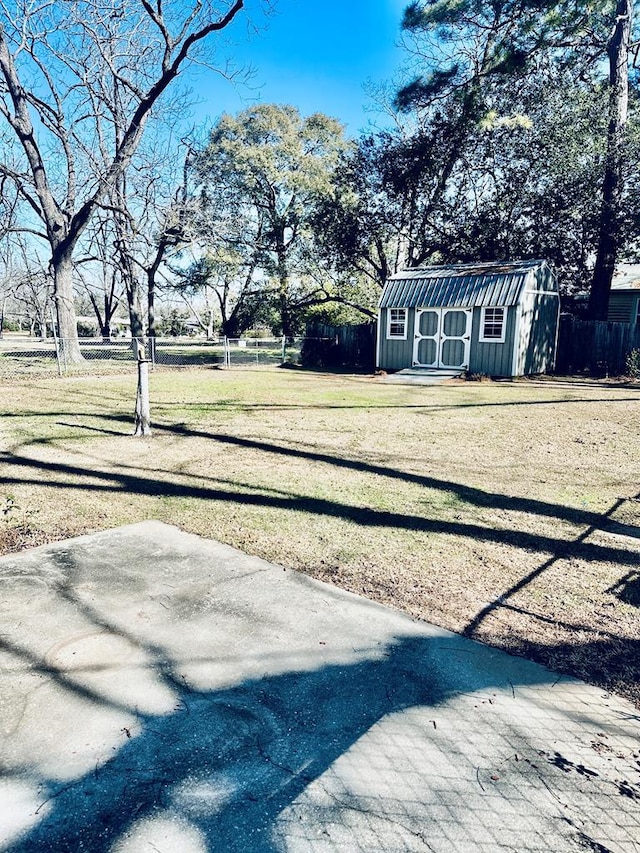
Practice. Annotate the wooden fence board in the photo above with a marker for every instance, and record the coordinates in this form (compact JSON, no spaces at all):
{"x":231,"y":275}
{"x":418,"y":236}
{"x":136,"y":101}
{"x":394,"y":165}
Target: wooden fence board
{"x":584,"y":346}
{"x":340,"y":346}
{"x":594,"y":346}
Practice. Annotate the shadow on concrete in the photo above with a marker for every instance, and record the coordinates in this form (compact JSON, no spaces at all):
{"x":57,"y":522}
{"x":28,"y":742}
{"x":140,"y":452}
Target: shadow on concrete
{"x":226,"y":763}
{"x":226,"y":766}
{"x":235,"y":757}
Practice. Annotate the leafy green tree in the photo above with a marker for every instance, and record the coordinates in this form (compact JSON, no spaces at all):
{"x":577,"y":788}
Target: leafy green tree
{"x":173,"y":323}
{"x":529,"y":182}
{"x":389,"y":193}
{"x":525,"y":182}
{"x":359,"y":223}
{"x":466,"y":45}
{"x":220,"y":284}
{"x":262,"y":173}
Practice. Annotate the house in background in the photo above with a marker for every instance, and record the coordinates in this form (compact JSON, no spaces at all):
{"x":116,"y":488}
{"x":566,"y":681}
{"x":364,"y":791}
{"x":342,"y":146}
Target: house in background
{"x":624,"y":298}
{"x":498,"y":319}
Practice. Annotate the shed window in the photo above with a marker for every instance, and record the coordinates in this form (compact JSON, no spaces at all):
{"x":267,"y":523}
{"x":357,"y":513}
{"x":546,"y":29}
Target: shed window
{"x":397,"y":323}
{"x":638,"y":311}
{"x":493,"y":325}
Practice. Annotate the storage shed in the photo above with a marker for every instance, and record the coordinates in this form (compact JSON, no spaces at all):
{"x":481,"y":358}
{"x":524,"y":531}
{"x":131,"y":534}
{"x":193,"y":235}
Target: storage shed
{"x":624,"y":297}
{"x":498,"y":319}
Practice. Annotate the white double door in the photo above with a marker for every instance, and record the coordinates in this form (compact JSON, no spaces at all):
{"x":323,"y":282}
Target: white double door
{"x":442,"y":338}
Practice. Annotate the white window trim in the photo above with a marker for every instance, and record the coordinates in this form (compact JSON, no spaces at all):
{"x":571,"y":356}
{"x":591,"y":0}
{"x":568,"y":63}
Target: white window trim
{"x":502,"y":338}
{"x":391,"y":337}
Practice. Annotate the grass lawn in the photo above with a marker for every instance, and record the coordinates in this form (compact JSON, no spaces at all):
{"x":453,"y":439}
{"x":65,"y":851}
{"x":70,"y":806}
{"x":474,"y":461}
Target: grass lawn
{"x":509,"y":511}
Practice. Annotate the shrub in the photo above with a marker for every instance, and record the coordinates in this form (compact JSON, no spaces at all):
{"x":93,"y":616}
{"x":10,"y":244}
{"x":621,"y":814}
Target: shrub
{"x":633,"y":364}
{"x":87,"y":329}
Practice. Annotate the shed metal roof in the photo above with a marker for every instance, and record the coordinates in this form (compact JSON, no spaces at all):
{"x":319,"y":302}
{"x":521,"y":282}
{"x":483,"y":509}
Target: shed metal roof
{"x":462,"y":285}
{"x":626,"y":277}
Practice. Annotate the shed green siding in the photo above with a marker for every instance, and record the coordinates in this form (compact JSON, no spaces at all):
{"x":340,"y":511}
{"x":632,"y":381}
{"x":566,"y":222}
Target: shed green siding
{"x":395,"y":354}
{"x":539,"y":325}
{"x":623,"y":306}
{"x":495,"y":358}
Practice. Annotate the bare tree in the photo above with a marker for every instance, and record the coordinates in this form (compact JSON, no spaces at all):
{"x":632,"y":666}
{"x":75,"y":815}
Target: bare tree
{"x":61,"y":66}
{"x":31,"y":293}
{"x":99,"y":278}
{"x":148,"y":209}
{"x":27,"y":287}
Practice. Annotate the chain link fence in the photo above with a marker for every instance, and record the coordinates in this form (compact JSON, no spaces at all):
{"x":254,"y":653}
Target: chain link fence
{"x":22,"y":356}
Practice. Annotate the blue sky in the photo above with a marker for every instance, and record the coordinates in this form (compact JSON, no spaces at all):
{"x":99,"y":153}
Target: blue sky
{"x":315,"y":56}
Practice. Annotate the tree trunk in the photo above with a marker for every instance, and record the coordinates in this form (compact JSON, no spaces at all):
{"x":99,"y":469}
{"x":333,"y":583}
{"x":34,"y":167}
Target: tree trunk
{"x":151,"y":310}
{"x":283,"y":284}
{"x":135,"y":309}
{"x":609,"y":236}
{"x":143,"y":410}
{"x":62,"y":266}
{"x":42,"y":322}
{"x":105,"y":321}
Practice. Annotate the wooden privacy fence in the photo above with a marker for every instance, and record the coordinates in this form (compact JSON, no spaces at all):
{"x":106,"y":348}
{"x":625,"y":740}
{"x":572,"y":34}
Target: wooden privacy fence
{"x":594,"y":346}
{"x":340,"y":346}
{"x":584,"y":346}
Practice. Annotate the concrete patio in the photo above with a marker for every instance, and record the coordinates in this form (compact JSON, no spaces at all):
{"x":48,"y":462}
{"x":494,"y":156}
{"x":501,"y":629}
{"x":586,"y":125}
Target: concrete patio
{"x":422,"y":376}
{"x":161,"y":692}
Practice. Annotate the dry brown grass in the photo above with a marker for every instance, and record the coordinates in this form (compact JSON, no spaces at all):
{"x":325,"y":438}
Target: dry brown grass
{"x":506,"y":510}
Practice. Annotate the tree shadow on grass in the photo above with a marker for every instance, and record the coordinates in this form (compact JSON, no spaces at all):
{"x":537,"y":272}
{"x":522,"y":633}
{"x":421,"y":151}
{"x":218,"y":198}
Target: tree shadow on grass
{"x":627,"y":589}
{"x":469,"y":494}
{"x":611,"y":661}
{"x":530,"y":577}
{"x":77,"y":478}
{"x":237,"y":405}
{"x":427,"y":406}
{"x":577,"y":546}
